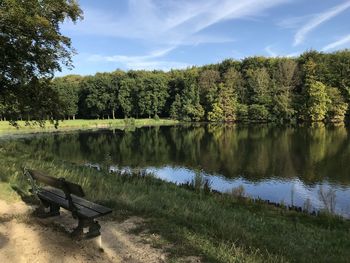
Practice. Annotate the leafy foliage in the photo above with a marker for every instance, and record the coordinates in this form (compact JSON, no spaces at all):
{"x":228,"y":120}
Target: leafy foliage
{"x":32,"y":49}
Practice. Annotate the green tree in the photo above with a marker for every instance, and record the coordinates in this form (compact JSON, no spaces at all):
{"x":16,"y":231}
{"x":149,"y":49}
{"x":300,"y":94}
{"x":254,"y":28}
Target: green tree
{"x":192,"y":109}
{"x":68,"y":93}
{"x":175,"y":109}
{"x":217,"y":113}
{"x":208,"y":84}
{"x":315,"y":95}
{"x":92,"y":100}
{"x":317,"y":100}
{"x":98,"y":96}
{"x":186,"y":105}
{"x":224,"y":109}
{"x":258,"y":113}
{"x":33,"y":48}
{"x":242,"y":112}
{"x":233,"y":80}
{"x":282,"y":104}
{"x":336,"y":106}
{"x":116,"y":78}
{"x":153,"y":95}
{"x":258,"y":81}
{"x":125,"y":99}
{"x":285,"y":80}
{"x":110,"y":90}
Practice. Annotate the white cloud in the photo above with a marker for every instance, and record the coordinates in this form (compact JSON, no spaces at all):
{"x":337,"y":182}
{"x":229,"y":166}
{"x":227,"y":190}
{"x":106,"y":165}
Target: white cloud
{"x":293,"y":22}
{"x":270,"y":52}
{"x":168,"y":22}
{"x":147,"y":62}
{"x":318,"y":20}
{"x":273,"y":53}
{"x":339,"y":43}
{"x":165,"y":25}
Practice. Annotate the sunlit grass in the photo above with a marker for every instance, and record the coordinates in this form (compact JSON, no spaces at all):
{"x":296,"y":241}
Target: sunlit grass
{"x":7,"y":194}
{"x":6,"y":127}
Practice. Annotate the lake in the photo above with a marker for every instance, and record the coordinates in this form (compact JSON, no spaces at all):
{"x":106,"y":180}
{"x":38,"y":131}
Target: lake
{"x":304,"y":166}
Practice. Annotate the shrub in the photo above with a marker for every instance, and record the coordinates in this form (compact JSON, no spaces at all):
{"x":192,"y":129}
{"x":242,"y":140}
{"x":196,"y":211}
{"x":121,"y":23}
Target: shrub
{"x":258,"y":113}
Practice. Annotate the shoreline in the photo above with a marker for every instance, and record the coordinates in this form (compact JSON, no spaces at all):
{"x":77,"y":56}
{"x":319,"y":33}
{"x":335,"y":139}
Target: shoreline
{"x":197,"y":223}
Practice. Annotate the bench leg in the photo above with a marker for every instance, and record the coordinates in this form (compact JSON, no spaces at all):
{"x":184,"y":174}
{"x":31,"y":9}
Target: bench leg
{"x":94,"y":230}
{"x":92,"y":225}
{"x":54,"y":210}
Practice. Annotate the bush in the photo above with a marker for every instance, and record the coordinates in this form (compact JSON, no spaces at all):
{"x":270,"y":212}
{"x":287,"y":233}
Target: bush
{"x":129,"y":122}
{"x":258,"y":113}
{"x":217,"y":114}
{"x":242,"y":112}
{"x":336,"y":107}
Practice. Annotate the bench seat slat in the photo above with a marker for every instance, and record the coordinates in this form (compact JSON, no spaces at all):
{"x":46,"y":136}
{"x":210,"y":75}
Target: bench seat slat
{"x":61,"y":201}
{"x":80,"y":201}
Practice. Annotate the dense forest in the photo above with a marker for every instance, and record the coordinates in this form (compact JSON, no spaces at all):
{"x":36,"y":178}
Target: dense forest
{"x":312,"y":87}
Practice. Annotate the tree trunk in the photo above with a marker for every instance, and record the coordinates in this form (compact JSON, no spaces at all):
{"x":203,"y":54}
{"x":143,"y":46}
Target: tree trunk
{"x":113,"y":114}
{"x":73,"y":117}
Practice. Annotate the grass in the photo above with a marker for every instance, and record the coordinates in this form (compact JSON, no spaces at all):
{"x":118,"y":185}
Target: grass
{"x":7,"y":128}
{"x":7,"y":194}
{"x":216,"y":228}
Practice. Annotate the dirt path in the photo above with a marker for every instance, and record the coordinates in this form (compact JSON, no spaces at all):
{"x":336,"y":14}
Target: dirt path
{"x":26,"y":239}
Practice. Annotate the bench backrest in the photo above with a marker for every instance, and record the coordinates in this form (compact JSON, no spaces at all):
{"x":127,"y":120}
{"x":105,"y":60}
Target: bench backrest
{"x":60,"y":183}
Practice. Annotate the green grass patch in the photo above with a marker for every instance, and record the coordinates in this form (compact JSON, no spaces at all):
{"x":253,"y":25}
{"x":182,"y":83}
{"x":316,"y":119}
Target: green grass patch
{"x":7,"y":193}
{"x":23,"y":127}
{"x":215,"y":228}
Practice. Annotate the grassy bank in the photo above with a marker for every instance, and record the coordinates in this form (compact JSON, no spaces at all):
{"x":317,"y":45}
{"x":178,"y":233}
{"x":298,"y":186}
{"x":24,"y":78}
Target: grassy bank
{"x":7,"y":128}
{"x":216,"y":228}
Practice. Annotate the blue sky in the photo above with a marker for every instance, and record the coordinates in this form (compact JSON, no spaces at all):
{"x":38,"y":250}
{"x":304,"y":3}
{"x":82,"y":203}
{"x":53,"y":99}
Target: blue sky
{"x":165,"y":34}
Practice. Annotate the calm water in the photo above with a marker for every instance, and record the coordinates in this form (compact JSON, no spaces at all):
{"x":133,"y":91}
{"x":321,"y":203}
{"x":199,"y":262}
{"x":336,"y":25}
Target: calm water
{"x":302,"y":166}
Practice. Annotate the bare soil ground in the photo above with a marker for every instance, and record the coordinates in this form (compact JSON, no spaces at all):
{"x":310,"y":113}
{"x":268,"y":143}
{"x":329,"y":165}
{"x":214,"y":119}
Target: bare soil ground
{"x":24,"y":238}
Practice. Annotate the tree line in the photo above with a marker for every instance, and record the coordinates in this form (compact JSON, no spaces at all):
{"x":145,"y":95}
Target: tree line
{"x":312,"y":87}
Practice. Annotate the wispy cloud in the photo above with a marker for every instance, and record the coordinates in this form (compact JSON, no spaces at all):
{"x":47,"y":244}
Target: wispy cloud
{"x":293,"y":22}
{"x":171,"y":22}
{"x":318,"y":20}
{"x":148,"y":62}
{"x":339,"y":43}
{"x":166,"y":25}
{"x":273,"y":53}
{"x":270,"y":51}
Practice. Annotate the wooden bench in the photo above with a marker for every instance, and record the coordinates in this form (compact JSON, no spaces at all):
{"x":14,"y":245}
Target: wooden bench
{"x":60,"y":193}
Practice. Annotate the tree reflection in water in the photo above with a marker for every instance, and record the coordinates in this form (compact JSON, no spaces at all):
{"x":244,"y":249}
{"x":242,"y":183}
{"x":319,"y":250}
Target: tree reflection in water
{"x":269,"y":162}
